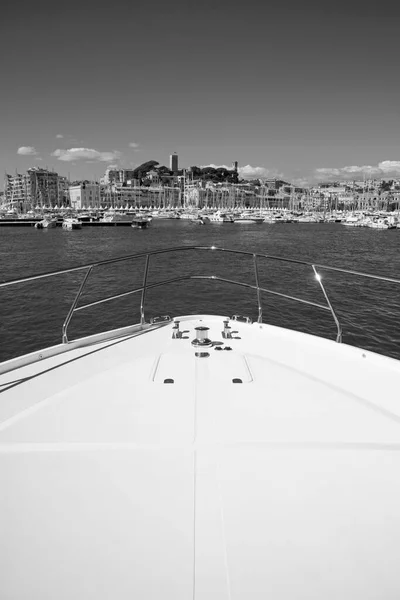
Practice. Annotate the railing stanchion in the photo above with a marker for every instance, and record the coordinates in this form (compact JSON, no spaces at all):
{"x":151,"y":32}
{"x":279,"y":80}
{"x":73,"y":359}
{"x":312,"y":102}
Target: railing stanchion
{"x":73,"y":306}
{"x":146,"y":270}
{"x":338,"y":326}
{"x":143,"y":290}
{"x":259,"y":320}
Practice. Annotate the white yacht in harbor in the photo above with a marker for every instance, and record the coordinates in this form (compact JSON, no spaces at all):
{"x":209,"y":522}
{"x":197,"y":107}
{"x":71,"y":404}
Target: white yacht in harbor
{"x":47,"y":223}
{"x":70,"y":223}
{"x":353,"y":220}
{"x":307,"y":218}
{"x":249,"y":217}
{"x":200,"y":456}
{"x":165,"y":214}
{"x":378,"y":224}
{"x":220,"y":217}
{"x":113,"y":216}
{"x":141,"y":221}
{"x":190,"y":215}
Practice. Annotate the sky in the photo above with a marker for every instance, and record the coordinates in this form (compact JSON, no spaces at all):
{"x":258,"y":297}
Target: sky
{"x":304,"y":90}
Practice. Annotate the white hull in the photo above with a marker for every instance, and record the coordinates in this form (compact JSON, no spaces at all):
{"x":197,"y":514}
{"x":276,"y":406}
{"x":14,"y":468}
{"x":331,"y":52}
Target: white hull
{"x":377,"y":225}
{"x":220,"y":217}
{"x":70,"y":224}
{"x":247,"y":221}
{"x":46,"y":224}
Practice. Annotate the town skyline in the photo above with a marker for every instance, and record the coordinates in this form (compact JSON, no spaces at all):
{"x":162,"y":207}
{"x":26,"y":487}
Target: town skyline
{"x":198,"y":173}
{"x":305,"y":93}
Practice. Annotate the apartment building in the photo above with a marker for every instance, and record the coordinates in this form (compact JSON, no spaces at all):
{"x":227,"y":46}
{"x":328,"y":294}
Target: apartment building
{"x":85,"y":196}
{"x":35,"y":188}
{"x":118,"y":177}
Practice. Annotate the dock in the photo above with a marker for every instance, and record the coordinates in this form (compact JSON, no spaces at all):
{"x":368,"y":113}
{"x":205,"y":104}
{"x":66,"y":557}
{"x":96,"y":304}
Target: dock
{"x":32,"y":223}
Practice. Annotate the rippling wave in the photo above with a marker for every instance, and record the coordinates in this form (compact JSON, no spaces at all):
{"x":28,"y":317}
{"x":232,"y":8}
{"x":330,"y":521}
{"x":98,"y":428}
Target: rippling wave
{"x":32,"y":313}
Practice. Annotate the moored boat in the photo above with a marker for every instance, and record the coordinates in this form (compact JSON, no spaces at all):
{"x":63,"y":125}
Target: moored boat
{"x":116,"y":217}
{"x":248,"y":218}
{"x":378,"y":224}
{"x":165,"y":214}
{"x":353,"y":220}
{"x":70,"y":223}
{"x":220,"y":217}
{"x":141,"y":222}
{"x":46,"y":223}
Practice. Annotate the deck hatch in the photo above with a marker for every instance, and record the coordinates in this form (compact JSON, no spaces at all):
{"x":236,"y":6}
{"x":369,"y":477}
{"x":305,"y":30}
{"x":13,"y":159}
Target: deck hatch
{"x":175,"y":368}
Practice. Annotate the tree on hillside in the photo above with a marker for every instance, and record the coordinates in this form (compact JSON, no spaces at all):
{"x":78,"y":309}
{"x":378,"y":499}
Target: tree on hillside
{"x":163,"y":170}
{"x":217,"y":175}
{"x":386,"y":185}
{"x":143,"y":169}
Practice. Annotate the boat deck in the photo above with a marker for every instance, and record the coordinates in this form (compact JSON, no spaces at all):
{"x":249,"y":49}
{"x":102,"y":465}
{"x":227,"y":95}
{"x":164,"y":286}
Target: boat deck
{"x":136,"y":486}
{"x":287,"y":376}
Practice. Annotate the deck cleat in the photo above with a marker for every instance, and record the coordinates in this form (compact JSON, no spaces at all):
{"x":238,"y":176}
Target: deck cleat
{"x":226,"y":333}
{"x":242,"y":319}
{"x":176,"y":333}
{"x":160,"y":319}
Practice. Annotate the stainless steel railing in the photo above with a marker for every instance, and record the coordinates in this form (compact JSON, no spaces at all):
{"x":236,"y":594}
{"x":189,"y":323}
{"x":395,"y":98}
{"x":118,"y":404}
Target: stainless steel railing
{"x":88,"y":268}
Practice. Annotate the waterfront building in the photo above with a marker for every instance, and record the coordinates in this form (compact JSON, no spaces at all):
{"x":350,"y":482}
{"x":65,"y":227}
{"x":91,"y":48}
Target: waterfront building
{"x":126,"y":197}
{"x":274,"y":183}
{"x":63,"y":191}
{"x":110,"y":176}
{"x":173,"y":163}
{"x":118,"y":176}
{"x":172,"y":180}
{"x":35,"y":188}
{"x":84,"y":196}
{"x":117,"y":196}
{"x":17,"y":191}
{"x":328,"y":191}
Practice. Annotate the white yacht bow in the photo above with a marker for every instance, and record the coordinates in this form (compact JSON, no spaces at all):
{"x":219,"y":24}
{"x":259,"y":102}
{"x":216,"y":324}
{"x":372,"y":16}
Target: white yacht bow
{"x":200,"y":457}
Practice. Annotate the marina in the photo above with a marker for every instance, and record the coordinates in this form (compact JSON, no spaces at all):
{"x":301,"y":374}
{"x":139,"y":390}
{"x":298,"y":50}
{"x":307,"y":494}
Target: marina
{"x":371,"y":219}
{"x":33,"y":223}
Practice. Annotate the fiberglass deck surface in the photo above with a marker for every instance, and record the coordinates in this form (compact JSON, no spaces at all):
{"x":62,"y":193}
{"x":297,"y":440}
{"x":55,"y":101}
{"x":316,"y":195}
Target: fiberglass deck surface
{"x":286,"y":485}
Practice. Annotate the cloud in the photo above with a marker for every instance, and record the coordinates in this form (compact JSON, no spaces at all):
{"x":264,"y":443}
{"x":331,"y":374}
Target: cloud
{"x":59,"y":136}
{"x":216,"y":166}
{"x":86,"y":154}
{"x":249,"y":172}
{"x":27,"y":151}
{"x":133,"y":145}
{"x":382,"y":169}
{"x":390,"y":166}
